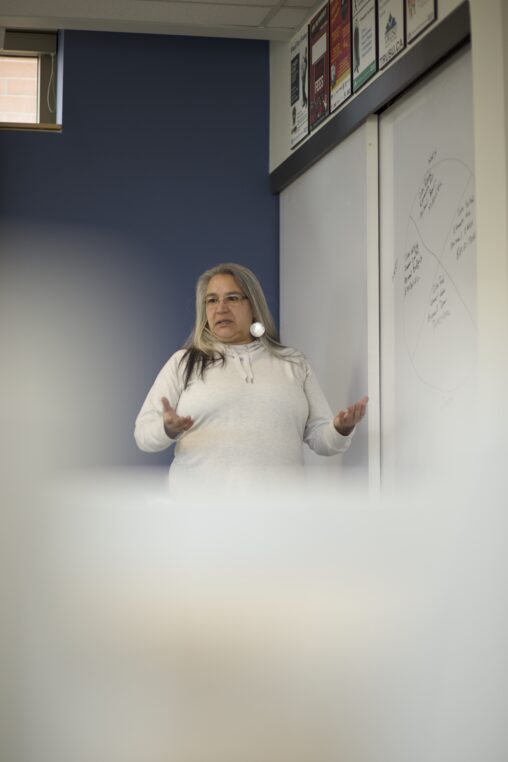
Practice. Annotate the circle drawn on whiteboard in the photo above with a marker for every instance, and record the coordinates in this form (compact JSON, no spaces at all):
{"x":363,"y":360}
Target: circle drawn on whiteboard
{"x":438,"y":277}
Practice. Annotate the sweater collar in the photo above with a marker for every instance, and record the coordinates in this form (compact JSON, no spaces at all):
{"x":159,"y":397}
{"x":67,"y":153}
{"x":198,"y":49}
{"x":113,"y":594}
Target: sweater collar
{"x":232,"y":350}
{"x":241,"y":356}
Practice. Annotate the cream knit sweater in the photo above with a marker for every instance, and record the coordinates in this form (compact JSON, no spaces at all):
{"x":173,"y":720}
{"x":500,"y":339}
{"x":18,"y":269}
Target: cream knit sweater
{"x":251,"y":416}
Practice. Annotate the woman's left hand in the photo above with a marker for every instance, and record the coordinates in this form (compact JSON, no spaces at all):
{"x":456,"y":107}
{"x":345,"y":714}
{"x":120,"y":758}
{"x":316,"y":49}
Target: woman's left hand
{"x":346,"y":420}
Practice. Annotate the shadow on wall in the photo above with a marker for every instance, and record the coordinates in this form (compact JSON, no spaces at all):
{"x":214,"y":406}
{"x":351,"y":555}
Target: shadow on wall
{"x":79,"y":350}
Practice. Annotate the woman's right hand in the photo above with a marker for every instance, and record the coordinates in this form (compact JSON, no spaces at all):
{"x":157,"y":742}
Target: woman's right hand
{"x":174,"y":424}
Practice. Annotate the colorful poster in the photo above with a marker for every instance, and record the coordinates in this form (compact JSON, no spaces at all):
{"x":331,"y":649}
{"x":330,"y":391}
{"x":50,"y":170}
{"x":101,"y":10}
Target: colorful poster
{"x":340,"y":52}
{"x":364,"y":42}
{"x":299,"y":95}
{"x":419,"y":14}
{"x":390,"y":16}
{"x":319,"y":84}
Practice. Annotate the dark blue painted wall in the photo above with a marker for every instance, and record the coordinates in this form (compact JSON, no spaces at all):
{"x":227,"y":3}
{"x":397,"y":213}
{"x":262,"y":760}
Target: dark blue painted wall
{"x":161,"y":171}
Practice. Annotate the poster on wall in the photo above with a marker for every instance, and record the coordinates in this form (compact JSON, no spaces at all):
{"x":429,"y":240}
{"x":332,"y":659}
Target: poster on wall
{"x":390,"y":15}
{"x":299,"y":94}
{"x":319,"y":84}
{"x":419,"y":14}
{"x":364,"y":42}
{"x":340,"y":52}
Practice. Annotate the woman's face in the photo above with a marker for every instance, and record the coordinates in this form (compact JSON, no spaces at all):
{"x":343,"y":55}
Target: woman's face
{"x":228,"y":311}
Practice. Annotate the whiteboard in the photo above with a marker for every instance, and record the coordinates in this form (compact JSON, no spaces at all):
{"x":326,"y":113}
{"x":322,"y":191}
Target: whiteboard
{"x":323,"y":281}
{"x":428,"y":274}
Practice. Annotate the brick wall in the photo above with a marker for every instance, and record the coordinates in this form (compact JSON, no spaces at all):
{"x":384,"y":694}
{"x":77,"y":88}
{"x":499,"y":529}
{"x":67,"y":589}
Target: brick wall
{"x":18,"y":89}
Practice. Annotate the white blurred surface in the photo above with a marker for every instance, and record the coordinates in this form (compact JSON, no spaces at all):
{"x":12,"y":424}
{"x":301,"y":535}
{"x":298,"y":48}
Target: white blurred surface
{"x":294,"y":623}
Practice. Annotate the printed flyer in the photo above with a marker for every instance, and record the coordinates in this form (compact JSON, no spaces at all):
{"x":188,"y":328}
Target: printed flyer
{"x":419,"y":14}
{"x":391,"y":30}
{"x":319,"y":84}
{"x":299,"y":94}
{"x":364,"y":42}
{"x":340,"y":52}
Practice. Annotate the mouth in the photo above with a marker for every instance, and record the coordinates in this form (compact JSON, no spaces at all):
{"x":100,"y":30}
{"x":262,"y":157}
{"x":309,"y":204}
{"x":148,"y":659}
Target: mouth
{"x":225,"y":321}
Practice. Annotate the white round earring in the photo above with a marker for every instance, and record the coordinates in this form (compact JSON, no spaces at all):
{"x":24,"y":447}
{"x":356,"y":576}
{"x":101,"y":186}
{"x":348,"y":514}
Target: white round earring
{"x":257,"y":330}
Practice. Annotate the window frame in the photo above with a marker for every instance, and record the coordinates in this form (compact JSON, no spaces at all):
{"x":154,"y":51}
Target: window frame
{"x":44,"y":47}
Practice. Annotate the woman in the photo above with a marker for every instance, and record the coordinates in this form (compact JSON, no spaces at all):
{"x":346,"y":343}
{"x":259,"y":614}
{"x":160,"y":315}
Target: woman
{"x":236,"y":401}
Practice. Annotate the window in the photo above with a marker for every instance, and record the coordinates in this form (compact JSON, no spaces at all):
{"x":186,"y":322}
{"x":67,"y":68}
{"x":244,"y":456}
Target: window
{"x":28,"y":77}
{"x":19,"y":78}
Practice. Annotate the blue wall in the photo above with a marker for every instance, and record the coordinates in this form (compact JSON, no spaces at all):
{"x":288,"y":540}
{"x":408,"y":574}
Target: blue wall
{"x":160,"y":172}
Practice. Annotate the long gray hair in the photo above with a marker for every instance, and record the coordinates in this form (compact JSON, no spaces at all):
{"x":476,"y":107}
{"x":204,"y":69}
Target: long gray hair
{"x":203,"y":349}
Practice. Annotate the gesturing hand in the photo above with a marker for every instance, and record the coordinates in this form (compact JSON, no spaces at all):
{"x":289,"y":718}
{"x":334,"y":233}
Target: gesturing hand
{"x":174,"y":424}
{"x":346,"y":420}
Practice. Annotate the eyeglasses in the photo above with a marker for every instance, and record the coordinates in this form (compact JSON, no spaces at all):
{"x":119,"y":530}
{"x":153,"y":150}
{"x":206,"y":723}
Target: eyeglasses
{"x":230,"y":299}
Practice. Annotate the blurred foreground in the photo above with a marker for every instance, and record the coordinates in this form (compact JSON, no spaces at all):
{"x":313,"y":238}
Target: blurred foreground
{"x":300,"y":622}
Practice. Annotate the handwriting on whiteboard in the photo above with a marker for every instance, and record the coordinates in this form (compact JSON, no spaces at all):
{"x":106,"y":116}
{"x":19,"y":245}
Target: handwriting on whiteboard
{"x":463,"y":232}
{"x":435,"y":280}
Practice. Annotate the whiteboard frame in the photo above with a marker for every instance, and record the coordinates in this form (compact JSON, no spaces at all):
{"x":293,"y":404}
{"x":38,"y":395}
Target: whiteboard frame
{"x":373,"y":304}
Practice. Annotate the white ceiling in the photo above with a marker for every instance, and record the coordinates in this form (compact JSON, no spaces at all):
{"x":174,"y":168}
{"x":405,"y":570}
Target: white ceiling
{"x":251,"y":19}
